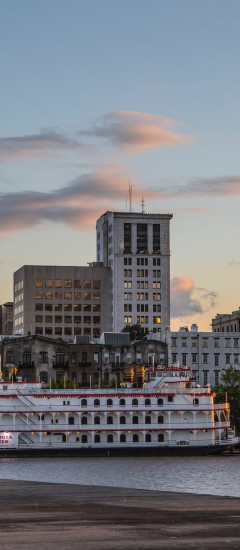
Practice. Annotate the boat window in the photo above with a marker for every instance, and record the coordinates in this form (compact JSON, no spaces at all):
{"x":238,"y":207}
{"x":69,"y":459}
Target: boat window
{"x":147,"y":401}
{"x":135,"y":401}
{"x":160,"y":420}
{"x":84,"y":438}
{"x":84,"y":402}
{"x":122,"y":438}
{"x":135,"y":438}
{"x":97,"y":420}
{"x":148,"y":419}
{"x":122,"y":420}
{"x":148,"y":438}
{"x":84,"y":420}
{"x":71,"y":420}
{"x":96,"y":402}
{"x":160,"y":438}
{"x":109,"y":401}
{"x":109,"y":420}
{"x":97,"y":438}
{"x":122,"y":402}
{"x":196,"y":401}
{"x":110,"y":438}
{"x":135,"y":420}
{"x":170,"y":399}
{"x":160,"y":401}
{"x":64,"y":438}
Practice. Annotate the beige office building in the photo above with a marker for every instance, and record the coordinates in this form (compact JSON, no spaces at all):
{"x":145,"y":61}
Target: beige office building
{"x":62,"y":301}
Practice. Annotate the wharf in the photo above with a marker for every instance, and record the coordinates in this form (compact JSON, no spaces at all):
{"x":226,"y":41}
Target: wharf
{"x":48,"y":516}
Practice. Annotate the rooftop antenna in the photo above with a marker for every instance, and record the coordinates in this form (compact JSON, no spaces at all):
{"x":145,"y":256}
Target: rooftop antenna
{"x":143,"y":205}
{"x":130,"y":196}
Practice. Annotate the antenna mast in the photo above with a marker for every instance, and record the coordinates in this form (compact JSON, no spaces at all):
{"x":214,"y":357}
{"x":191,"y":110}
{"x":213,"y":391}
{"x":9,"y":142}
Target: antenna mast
{"x":143,"y":205}
{"x":130,"y":196}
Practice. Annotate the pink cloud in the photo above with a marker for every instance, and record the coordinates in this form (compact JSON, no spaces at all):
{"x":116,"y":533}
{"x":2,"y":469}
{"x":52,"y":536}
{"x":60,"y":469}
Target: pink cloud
{"x":136,"y":132}
{"x":188,"y":300}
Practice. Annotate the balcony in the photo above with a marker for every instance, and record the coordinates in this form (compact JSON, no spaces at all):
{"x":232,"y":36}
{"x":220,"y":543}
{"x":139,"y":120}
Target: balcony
{"x":26,"y":364}
{"x":85,"y":364}
{"x":60,"y":364}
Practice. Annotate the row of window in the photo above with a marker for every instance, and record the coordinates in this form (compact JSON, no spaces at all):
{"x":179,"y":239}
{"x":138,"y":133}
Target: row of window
{"x":86,"y":319}
{"x":67,"y":331}
{"x":67,"y":283}
{"x":144,"y":261}
{"x":205,"y":358}
{"x":39,"y":295}
{"x":123,"y":439}
{"x":204,"y":342}
{"x":122,"y":420}
{"x":142,"y":319}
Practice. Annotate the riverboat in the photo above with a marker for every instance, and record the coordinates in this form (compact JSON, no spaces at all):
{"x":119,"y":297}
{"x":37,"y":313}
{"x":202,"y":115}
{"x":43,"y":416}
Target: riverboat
{"x":169,"y":415}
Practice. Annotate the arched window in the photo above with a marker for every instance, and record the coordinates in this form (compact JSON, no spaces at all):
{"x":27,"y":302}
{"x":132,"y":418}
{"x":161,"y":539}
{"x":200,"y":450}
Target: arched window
{"x":96,"y":402}
{"x":109,"y":402}
{"x":160,"y":420}
{"x":84,"y":420}
{"x":135,"y":438}
{"x":196,"y":401}
{"x":122,"y":438}
{"x":110,"y":438}
{"x":148,"y":438}
{"x":135,"y":401}
{"x":135,"y":420}
{"x":106,"y":377}
{"x":84,"y":402}
{"x":84,"y":439}
{"x":122,"y":402}
{"x":148,"y":419}
{"x":71,"y":420}
{"x":122,"y":420}
{"x":64,"y":438}
{"x":160,"y":438}
{"x":97,"y":438}
{"x":96,"y":419}
{"x":109,"y":420}
{"x":147,"y":401}
{"x":160,"y":401}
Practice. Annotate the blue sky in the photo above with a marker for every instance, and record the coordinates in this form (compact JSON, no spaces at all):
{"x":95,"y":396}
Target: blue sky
{"x":97,"y":93}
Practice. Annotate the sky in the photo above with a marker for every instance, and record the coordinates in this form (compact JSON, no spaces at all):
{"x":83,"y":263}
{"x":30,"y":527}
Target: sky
{"x":98,"y":93}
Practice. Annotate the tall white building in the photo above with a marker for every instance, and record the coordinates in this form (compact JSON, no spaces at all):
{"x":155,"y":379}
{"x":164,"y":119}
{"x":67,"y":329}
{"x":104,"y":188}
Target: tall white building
{"x":136,"y":248}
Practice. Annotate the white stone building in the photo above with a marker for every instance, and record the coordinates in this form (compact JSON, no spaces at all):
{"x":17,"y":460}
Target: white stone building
{"x":136,"y":248}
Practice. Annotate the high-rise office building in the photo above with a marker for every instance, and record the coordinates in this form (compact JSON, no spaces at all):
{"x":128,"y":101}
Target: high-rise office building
{"x":136,"y":248}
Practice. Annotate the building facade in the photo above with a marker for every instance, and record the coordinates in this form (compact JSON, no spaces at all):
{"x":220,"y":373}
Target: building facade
{"x":136,"y":248}
{"x":227,"y":322}
{"x":208,"y":354}
{"x":62,"y":301}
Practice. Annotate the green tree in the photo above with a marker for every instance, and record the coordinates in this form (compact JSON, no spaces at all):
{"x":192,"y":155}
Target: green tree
{"x":229,"y":389}
{"x":137,"y":332}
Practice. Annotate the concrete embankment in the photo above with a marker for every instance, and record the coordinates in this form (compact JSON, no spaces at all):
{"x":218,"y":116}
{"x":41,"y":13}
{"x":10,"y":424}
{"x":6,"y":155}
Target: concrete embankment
{"x":49,"y":516}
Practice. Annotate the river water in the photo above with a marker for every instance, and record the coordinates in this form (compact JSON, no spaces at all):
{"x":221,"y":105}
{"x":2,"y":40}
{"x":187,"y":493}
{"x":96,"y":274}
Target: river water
{"x":205,"y":475}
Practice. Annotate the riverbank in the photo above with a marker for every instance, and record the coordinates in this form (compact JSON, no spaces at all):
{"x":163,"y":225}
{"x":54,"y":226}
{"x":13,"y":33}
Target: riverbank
{"x":49,"y":516}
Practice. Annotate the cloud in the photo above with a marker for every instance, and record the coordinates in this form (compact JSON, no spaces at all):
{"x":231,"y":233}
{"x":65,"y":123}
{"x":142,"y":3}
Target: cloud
{"x":46,"y":143}
{"x":216,"y":187}
{"x":77,"y":204}
{"x":234,"y":262}
{"x":184,"y":302}
{"x":136,"y":132}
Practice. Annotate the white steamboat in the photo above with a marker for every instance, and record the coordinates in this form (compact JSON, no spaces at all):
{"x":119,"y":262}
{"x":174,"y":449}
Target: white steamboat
{"x":170,"y":415}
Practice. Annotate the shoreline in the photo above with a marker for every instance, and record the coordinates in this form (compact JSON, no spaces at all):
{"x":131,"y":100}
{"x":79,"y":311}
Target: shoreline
{"x":53,"y":516}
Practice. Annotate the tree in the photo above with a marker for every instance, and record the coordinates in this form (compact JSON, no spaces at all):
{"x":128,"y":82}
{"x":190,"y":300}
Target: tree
{"x":230,"y":388}
{"x":137,"y":332}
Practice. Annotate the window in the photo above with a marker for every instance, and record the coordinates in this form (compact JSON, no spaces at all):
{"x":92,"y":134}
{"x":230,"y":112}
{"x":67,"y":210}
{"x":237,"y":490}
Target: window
{"x":135,"y":419}
{"x":160,"y":401}
{"x":195,"y":401}
{"x":174,"y":358}
{"x":77,"y":295}
{"x":96,"y":419}
{"x":43,"y":376}
{"x":87,"y":284}
{"x":27,"y":357}
{"x":127,"y":238}
{"x":216,"y":342}
{"x":71,"y":420}
{"x":147,"y":401}
{"x":96,"y":403}
{"x":160,"y":438}
{"x":148,"y":438}
{"x":227,"y":342}
{"x":205,"y":357}
{"x":39,"y":283}
{"x":156,"y":238}
{"x":109,"y":420}
{"x":58,"y":283}
{"x":216,"y":375}
{"x":84,"y":402}
{"x":216,"y":359}
{"x":127,"y":284}
{"x":122,"y":402}
{"x":235,"y":342}
{"x":84,"y":438}
{"x":110,"y":438}
{"x":205,"y":377}
{"x":122,"y":438}
{"x":127,"y":273}
{"x":156,"y":284}
{"x":148,"y":419}
{"x":127,"y":261}
{"x":68,"y":283}
{"x":122,"y":420}
{"x":58,"y":307}
{"x":235,"y":359}
{"x":135,"y":438}
{"x":205,"y":342}
{"x":67,"y":295}
{"x":48,"y":283}
{"x":128,"y":320}
{"x":77,"y":283}
{"x":97,"y":438}
{"x":156,"y":296}
{"x":160,"y":420}
{"x":38,"y":318}
{"x":142,"y":238}
{"x":174,"y":342}
{"x":96,"y":358}
{"x":156,"y":261}
{"x":38,"y":295}
{"x":39,"y":307}
{"x":135,"y":402}
{"x":43,"y":357}
{"x":194,"y":357}
{"x":109,"y":402}
{"x":73,"y":357}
